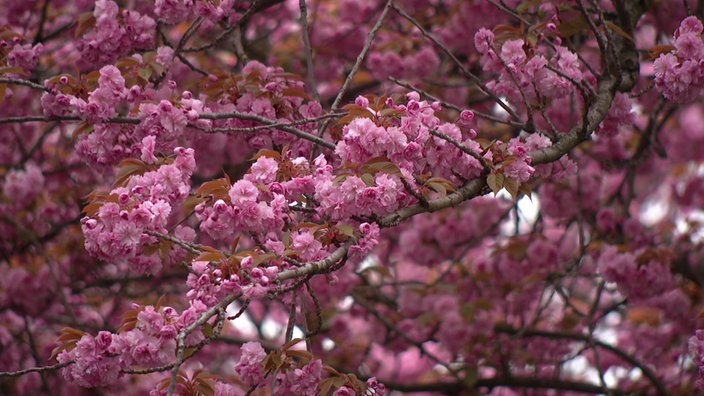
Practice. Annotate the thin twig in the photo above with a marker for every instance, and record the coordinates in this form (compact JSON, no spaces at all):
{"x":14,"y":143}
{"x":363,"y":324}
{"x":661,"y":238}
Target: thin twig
{"x":459,"y":64}
{"x":362,"y":54}
{"x":219,"y":310}
{"x":310,"y":73}
{"x":22,"y":372}
{"x":452,"y":106}
{"x":463,"y":148}
{"x":579,"y":337}
{"x":19,"y":81}
{"x":253,"y":117}
{"x":193,"y":248}
{"x":205,"y":116}
{"x":274,"y":125}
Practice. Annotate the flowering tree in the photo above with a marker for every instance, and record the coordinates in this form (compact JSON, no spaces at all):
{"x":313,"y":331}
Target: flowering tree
{"x":225,"y":197}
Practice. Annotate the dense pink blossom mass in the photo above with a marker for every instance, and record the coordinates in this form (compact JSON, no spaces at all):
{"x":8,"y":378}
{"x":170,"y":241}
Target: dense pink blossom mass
{"x":338,"y":198}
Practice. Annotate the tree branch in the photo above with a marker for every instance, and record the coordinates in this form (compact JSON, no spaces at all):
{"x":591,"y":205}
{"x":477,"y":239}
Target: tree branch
{"x":19,"y":373}
{"x":583,"y":338}
{"x":496,"y":382}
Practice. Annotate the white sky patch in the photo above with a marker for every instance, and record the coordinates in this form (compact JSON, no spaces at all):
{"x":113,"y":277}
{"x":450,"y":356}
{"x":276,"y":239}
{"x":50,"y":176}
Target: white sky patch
{"x":500,"y":111}
{"x":653,"y":212}
{"x":345,"y":303}
{"x":528,"y":210}
{"x":370,"y":261}
{"x":656,"y":206}
{"x":327,"y":344}
{"x":271,"y":330}
{"x":243,"y":323}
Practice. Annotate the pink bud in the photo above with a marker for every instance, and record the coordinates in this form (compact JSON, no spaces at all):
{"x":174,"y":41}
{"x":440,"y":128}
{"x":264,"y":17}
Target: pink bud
{"x":361,"y":101}
{"x":467,"y":115}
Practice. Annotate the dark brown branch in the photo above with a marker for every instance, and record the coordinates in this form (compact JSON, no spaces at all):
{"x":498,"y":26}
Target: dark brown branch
{"x":496,"y":382}
{"x":19,"y":373}
{"x":583,"y":338}
{"x":19,"y":81}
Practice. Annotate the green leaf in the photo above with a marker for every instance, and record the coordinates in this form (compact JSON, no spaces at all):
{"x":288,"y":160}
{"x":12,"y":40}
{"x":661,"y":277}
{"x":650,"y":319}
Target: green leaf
{"x":440,"y":185}
{"x":7,"y":34}
{"x":144,"y":72}
{"x":484,"y":143}
{"x":272,"y":361}
{"x":525,"y":190}
{"x":208,"y":329}
{"x":304,"y":355}
{"x":511,"y":186}
{"x":573,"y":25}
{"x":495,"y":182}
{"x":368,"y":179}
{"x":467,"y":312}
{"x":658,"y":50}
{"x":329,"y":385}
{"x":210,"y":256}
{"x":345,"y":229}
{"x":525,"y":5}
{"x":471,"y":376}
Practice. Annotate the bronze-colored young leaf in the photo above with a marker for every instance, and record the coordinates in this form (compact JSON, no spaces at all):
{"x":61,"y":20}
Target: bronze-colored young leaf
{"x":578,"y":23}
{"x":67,"y":340}
{"x":495,"y":182}
{"x":129,"y":320}
{"x":83,"y":128}
{"x":85,"y":22}
{"x":304,"y":355}
{"x":11,"y":69}
{"x":130,"y":167}
{"x":291,"y":343}
{"x":296,"y":92}
{"x":657,"y":50}
{"x":273,"y":361}
{"x":218,"y":188}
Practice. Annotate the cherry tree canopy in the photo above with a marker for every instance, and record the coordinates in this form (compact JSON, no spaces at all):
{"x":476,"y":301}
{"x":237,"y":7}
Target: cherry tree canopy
{"x":457,"y":197}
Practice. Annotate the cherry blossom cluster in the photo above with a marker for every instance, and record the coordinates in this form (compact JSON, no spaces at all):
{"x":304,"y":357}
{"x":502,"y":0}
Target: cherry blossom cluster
{"x":23,"y":185}
{"x":679,"y":74}
{"x":416,"y":65}
{"x":696,"y":347}
{"x":100,"y":104}
{"x":637,"y":276}
{"x":162,"y":124}
{"x":148,"y":339}
{"x":357,"y":204}
{"x":23,"y":56}
{"x":115,"y":228}
{"x":210,"y":283}
{"x":267,"y":92}
{"x":528,"y":73}
{"x":294,"y":380}
{"x":175,"y":11}
{"x":114,"y":34}
{"x":245,"y":211}
{"x":417,"y":141}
